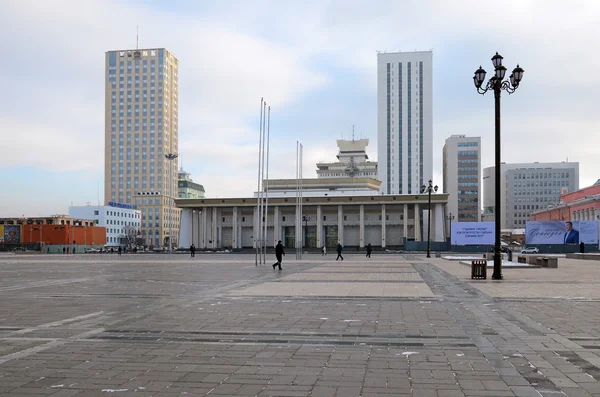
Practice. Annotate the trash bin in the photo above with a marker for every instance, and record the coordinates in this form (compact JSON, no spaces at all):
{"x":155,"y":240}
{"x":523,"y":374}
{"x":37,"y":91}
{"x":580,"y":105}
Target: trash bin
{"x":479,"y":269}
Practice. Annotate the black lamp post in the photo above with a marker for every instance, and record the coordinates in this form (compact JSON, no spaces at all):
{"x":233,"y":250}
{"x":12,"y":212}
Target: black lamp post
{"x":305,"y":219}
{"x":450,"y":218}
{"x":496,"y":83}
{"x":429,"y":189}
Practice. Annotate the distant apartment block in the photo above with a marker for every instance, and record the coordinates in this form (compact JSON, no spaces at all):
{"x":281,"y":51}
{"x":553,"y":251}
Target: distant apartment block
{"x":527,"y":188}
{"x":462,"y":177}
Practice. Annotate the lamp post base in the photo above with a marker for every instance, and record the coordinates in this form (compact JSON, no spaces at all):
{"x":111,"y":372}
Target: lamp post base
{"x":497,"y":275}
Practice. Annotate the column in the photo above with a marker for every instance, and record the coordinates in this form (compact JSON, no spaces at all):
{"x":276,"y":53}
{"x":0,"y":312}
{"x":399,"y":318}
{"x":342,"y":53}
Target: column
{"x":438,"y":219}
{"x":185,"y":228}
{"x":361,"y":220}
{"x":276,"y":226}
{"x":214,"y":237}
{"x":340,"y":224}
{"x":405,"y":221}
{"x":234,"y":231}
{"x":383,"y":225}
{"x":204,"y":229}
{"x":319,"y":226}
{"x":417,"y":222}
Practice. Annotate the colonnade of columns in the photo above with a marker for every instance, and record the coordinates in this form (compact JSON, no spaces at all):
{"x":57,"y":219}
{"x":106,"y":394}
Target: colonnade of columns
{"x":205,"y":227}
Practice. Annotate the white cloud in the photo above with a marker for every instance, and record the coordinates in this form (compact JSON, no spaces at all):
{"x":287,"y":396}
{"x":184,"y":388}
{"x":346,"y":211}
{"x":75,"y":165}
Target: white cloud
{"x":232,"y":53}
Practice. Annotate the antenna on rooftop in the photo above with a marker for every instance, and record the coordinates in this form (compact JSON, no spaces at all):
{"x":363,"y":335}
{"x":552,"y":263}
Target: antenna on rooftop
{"x":352,"y":132}
{"x":137,"y":37}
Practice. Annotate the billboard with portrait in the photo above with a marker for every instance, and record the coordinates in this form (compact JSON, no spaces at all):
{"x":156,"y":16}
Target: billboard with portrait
{"x":472,"y":233}
{"x":12,"y":234}
{"x":559,"y":232}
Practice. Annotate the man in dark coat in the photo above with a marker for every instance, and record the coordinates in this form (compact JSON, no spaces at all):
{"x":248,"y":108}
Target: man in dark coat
{"x":369,"y":250}
{"x":278,"y":254}
{"x":339,"y":251}
{"x":193,"y":250}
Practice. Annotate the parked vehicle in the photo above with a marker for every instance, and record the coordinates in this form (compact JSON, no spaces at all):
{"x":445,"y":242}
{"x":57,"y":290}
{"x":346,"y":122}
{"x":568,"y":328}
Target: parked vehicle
{"x":530,"y":250}
{"x":92,"y":251}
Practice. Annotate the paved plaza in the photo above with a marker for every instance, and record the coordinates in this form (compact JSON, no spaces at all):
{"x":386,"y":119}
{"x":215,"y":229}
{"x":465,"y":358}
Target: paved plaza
{"x":217,"y":325}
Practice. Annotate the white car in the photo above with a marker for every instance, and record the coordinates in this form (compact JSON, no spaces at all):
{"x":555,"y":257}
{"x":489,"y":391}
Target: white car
{"x":92,"y":251}
{"x":530,"y":250}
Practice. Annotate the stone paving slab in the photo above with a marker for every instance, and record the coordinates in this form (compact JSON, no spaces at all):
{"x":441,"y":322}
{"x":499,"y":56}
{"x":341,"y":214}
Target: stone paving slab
{"x":217,"y":325}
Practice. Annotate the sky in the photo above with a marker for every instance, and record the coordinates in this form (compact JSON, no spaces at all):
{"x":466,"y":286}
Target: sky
{"x":314,"y":62}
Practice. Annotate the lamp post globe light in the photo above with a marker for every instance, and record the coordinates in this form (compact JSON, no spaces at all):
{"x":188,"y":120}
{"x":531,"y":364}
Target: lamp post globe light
{"x":450,"y":218}
{"x":171,"y":157}
{"x":429,"y":189}
{"x":496,"y":83}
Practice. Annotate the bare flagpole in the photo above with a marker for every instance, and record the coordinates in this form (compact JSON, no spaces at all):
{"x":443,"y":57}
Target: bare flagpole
{"x":297,"y":197}
{"x":267,"y":189}
{"x":301,"y":199}
{"x":258,"y":187}
{"x":262,"y":191}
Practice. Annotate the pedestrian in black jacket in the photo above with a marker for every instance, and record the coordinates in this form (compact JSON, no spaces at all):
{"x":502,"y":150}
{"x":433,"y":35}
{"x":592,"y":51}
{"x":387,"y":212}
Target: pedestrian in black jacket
{"x":339,"y":251}
{"x":278,"y":254}
{"x":369,"y":250}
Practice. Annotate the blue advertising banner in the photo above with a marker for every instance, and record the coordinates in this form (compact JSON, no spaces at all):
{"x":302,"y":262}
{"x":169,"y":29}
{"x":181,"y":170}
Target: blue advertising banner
{"x":12,"y":234}
{"x":473,"y":233}
{"x":559,"y":232}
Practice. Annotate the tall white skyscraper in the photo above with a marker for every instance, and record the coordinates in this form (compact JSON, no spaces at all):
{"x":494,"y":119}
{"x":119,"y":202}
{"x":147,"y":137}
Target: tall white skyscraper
{"x":404,"y":121}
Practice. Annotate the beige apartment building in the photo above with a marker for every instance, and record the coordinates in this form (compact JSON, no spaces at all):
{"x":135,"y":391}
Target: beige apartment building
{"x":141,"y":127}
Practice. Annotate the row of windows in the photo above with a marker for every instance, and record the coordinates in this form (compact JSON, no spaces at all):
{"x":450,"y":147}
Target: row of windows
{"x":468,"y":152}
{"x":468,"y":161}
{"x":467,"y":192}
{"x":465,"y":184}
{"x":536,"y":192}
{"x":345,"y":173}
{"x":541,"y":183}
{"x":467,"y":144}
{"x":541,"y":175}
{"x":467,"y":176}
{"x":467,"y":216}
{"x":527,"y":207}
{"x":468,"y":168}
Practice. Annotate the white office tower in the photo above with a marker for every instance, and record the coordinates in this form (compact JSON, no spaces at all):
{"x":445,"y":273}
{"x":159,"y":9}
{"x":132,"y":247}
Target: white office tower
{"x":404,"y":121}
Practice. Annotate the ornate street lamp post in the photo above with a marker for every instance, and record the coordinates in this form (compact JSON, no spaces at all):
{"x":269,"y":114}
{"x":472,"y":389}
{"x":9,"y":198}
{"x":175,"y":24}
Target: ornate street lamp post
{"x":170,"y":157}
{"x":429,"y":189}
{"x":496,"y":83}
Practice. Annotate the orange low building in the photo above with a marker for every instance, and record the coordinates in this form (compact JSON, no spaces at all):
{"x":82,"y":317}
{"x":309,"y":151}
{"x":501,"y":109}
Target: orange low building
{"x":63,"y":234}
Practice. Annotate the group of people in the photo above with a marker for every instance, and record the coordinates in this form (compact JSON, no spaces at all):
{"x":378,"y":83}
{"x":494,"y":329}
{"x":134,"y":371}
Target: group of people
{"x":279,"y":253}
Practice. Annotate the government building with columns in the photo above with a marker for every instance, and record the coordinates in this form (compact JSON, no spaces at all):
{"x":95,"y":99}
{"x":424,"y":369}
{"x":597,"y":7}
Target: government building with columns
{"x":385,"y":221}
{"x":343,"y":204}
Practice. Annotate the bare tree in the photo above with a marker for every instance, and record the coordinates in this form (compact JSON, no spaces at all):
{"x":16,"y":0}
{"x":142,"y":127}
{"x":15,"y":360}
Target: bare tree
{"x":129,"y":236}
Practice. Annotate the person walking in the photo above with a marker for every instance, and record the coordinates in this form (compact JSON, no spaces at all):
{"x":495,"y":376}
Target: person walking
{"x":119,"y":250}
{"x":581,"y":247}
{"x":339,"y":251}
{"x":323,"y":250}
{"x":278,"y":254}
{"x":192,"y":250}
{"x":369,"y":250}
